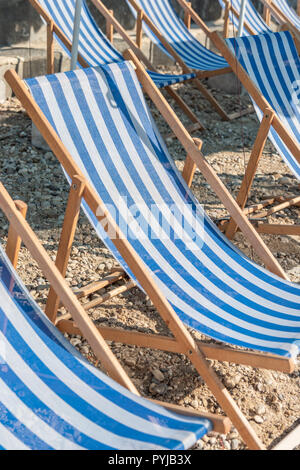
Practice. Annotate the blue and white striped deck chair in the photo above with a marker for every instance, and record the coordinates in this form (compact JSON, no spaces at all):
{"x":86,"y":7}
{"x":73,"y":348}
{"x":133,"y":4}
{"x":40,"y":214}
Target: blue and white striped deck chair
{"x":288,"y":13}
{"x":272,"y":63}
{"x":51,"y":398}
{"x":100,"y":127}
{"x":95,"y":49}
{"x":254,"y":23}
{"x":101,"y":117}
{"x":183,"y":46}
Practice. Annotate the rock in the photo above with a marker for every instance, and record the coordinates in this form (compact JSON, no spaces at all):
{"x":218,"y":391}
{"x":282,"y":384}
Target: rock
{"x":261,"y":410}
{"x":235,"y":443}
{"x":130,"y":361}
{"x":75,"y":342}
{"x":158,"y":375}
{"x":195,"y":404}
{"x":258,"y":419}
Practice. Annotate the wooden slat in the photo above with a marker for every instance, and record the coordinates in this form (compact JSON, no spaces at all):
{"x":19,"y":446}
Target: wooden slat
{"x":165,"y":343}
{"x":109,"y":295}
{"x":98,"y":285}
{"x":221,"y":424}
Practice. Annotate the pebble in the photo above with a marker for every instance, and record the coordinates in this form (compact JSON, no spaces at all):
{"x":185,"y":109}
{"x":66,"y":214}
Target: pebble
{"x":158,"y":375}
{"x":235,"y":443}
{"x":258,"y":419}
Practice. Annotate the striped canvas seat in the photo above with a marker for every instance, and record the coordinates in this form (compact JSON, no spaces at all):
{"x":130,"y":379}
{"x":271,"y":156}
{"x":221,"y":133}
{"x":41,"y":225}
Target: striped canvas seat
{"x":288,"y":11}
{"x":272,"y":63}
{"x":94,"y":47}
{"x":252,"y":18}
{"x":52,"y":398}
{"x":192,"y":52}
{"x":102,"y":118}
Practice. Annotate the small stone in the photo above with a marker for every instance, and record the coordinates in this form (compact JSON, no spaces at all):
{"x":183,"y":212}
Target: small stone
{"x":75,"y":341}
{"x":235,"y":444}
{"x":258,"y":419}
{"x":261,"y":410}
{"x":158,"y":375}
{"x":200,"y":445}
{"x":130,"y":361}
{"x":195,"y":404}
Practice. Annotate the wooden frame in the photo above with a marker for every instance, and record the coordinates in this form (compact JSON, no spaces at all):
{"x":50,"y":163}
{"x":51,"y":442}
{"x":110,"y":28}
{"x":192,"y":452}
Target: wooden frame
{"x":111,"y":25}
{"x":189,"y":15}
{"x":183,"y":341}
{"x":15,"y":212}
{"x":270,"y":119}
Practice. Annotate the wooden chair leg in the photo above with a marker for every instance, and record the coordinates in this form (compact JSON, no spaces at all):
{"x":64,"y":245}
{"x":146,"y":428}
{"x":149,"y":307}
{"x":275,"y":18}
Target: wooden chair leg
{"x":110,"y":28}
{"x":187,"y":17}
{"x":252,"y":167}
{"x":226,"y":21}
{"x":207,"y":94}
{"x":139,"y":28}
{"x":185,"y":108}
{"x":50,"y":48}
{"x":66,"y":241}
{"x":190,"y":166}
{"x":14,"y":241}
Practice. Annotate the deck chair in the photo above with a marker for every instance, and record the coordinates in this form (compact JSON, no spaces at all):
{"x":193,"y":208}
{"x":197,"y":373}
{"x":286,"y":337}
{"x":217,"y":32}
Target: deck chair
{"x":50,"y":396}
{"x":269,"y":68}
{"x":253,"y":24}
{"x":96,"y":49}
{"x":167,"y":31}
{"x":99,"y":126}
{"x":284,"y":15}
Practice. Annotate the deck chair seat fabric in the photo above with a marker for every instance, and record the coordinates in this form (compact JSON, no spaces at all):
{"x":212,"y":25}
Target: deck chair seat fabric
{"x":102,"y":118}
{"x":272,"y":63}
{"x":94,"y":47}
{"x":288,"y":11}
{"x":192,"y":52}
{"x":252,"y":18}
{"x":52,"y":398}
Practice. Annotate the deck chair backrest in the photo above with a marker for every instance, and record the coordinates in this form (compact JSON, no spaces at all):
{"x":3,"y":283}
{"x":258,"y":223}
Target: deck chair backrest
{"x":102,"y":118}
{"x":192,"y":52}
{"x":288,"y":12}
{"x":252,"y":18}
{"x":94,"y":47}
{"x":273,"y":64}
{"x":52,"y":398}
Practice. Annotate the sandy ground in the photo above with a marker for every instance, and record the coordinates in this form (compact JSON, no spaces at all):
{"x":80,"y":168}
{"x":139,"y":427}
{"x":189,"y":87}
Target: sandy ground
{"x":270,"y":400}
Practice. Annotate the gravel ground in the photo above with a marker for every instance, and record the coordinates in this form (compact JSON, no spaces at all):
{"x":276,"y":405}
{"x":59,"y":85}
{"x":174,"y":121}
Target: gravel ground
{"x":270,"y":400}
